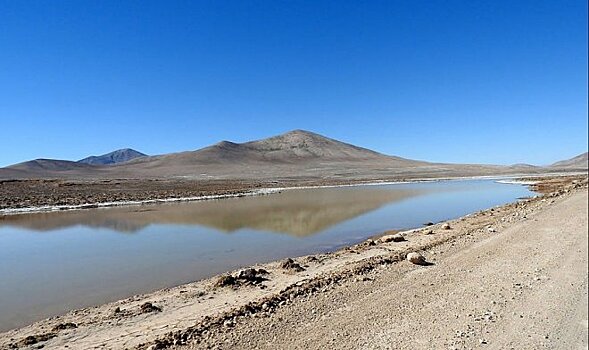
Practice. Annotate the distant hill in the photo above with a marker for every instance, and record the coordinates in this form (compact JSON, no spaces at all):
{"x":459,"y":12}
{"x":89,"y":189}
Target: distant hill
{"x":293,"y":154}
{"x":49,"y":165}
{"x":579,"y":162}
{"x":115,"y":157}
{"x":296,"y":146}
{"x":296,"y":154}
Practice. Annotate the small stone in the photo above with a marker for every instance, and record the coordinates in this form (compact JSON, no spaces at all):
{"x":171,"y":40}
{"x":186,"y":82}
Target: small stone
{"x":67,"y":325}
{"x":225,"y":280}
{"x":416,"y":258}
{"x":446,"y":226}
{"x":252,"y":276}
{"x":149,"y":307}
{"x":393,"y":238}
{"x":290,"y":264}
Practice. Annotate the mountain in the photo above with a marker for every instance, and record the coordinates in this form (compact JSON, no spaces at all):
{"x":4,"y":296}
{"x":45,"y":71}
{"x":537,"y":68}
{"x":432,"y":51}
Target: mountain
{"x":293,"y":154}
{"x":118,"y":156}
{"x":298,"y":154}
{"x":579,"y":162}
{"x":296,"y":146}
{"x":48,"y":168}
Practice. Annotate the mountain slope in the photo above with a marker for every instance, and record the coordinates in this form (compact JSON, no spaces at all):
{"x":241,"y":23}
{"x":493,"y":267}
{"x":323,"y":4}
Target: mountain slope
{"x":579,"y":162}
{"x":296,"y":146}
{"x":296,"y":154}
{"x":48,"y":168}
{"x":118,"y":156}
{"x":293,"y":154}
{"x":300,"y":144}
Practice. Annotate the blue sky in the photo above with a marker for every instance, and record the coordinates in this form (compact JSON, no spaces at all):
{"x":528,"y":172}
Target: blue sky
{"x":455,"y":81}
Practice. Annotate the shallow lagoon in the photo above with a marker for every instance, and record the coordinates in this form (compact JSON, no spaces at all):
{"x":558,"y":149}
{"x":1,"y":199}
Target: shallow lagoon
{"x":54,"y":262}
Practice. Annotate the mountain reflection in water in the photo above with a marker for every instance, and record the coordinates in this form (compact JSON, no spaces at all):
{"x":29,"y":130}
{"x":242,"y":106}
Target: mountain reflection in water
{"x":300,"y":212}
{"x":82,"y":259}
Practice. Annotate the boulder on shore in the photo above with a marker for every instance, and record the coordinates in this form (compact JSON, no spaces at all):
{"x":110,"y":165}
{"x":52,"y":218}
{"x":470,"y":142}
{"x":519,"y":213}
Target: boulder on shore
{"x":397,"y":237}
{"x":416,"y":258}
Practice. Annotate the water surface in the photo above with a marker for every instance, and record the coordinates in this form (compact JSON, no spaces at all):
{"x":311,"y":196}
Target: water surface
{"x":54,"y":262}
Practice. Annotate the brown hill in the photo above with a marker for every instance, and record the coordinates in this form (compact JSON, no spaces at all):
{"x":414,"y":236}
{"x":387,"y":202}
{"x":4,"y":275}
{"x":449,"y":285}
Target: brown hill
{"x":580,"y":162}
{"x":50,"y":165}
{"x":49,"y":168}
{"x":114,"y":157}
{"x":296,"y":154}
{"x":283,"y":155}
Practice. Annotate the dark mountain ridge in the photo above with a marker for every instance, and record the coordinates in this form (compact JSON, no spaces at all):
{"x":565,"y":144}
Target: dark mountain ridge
{"x":115,"y":157}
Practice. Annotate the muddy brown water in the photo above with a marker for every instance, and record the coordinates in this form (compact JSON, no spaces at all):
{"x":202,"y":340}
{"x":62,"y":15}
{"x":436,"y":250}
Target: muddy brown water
{"x":54,"y":262}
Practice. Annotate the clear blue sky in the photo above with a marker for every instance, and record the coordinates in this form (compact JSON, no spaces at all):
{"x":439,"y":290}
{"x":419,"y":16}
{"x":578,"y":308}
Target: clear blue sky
{"x":455,"y":81}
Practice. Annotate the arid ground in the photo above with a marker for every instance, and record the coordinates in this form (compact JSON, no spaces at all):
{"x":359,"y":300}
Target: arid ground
{"x":513,"y":276}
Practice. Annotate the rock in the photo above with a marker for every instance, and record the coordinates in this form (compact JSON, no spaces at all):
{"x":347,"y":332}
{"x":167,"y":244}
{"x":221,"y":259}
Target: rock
{"x":252,"y":276}
{"x":290,"y":264}
{"x":428,"y":223}
{"x":225,"y":280}
{"x":429,"y":232}
{"x":446,"y":226}
{"x":30,"y":340}
{"x":397,"y":237}
{"x":37,"y":338}
{"x":416,"y":258}
{"x":67,"y":325}
{"x":158,"y":345}
{"x":149,"y":307}
{"x":491,"y":229}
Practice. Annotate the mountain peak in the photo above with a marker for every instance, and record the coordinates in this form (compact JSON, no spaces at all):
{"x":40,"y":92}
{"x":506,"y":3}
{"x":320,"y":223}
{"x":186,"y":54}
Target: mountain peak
{"x":302,"y":144}
{"x":301,"y":132}
{"x":226,"y":144}
{"x":114,"y":157}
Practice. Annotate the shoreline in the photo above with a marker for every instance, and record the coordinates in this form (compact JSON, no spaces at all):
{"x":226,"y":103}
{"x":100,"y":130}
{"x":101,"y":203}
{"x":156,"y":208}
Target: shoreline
{"x":265,"y":191}
{"x":65,"y":207}
{"x":181,"y":314}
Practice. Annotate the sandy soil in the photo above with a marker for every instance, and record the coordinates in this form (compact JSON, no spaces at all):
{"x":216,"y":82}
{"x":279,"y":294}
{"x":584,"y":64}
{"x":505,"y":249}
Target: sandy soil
{"x":514,"y":276}
{"x":32,"y":193}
